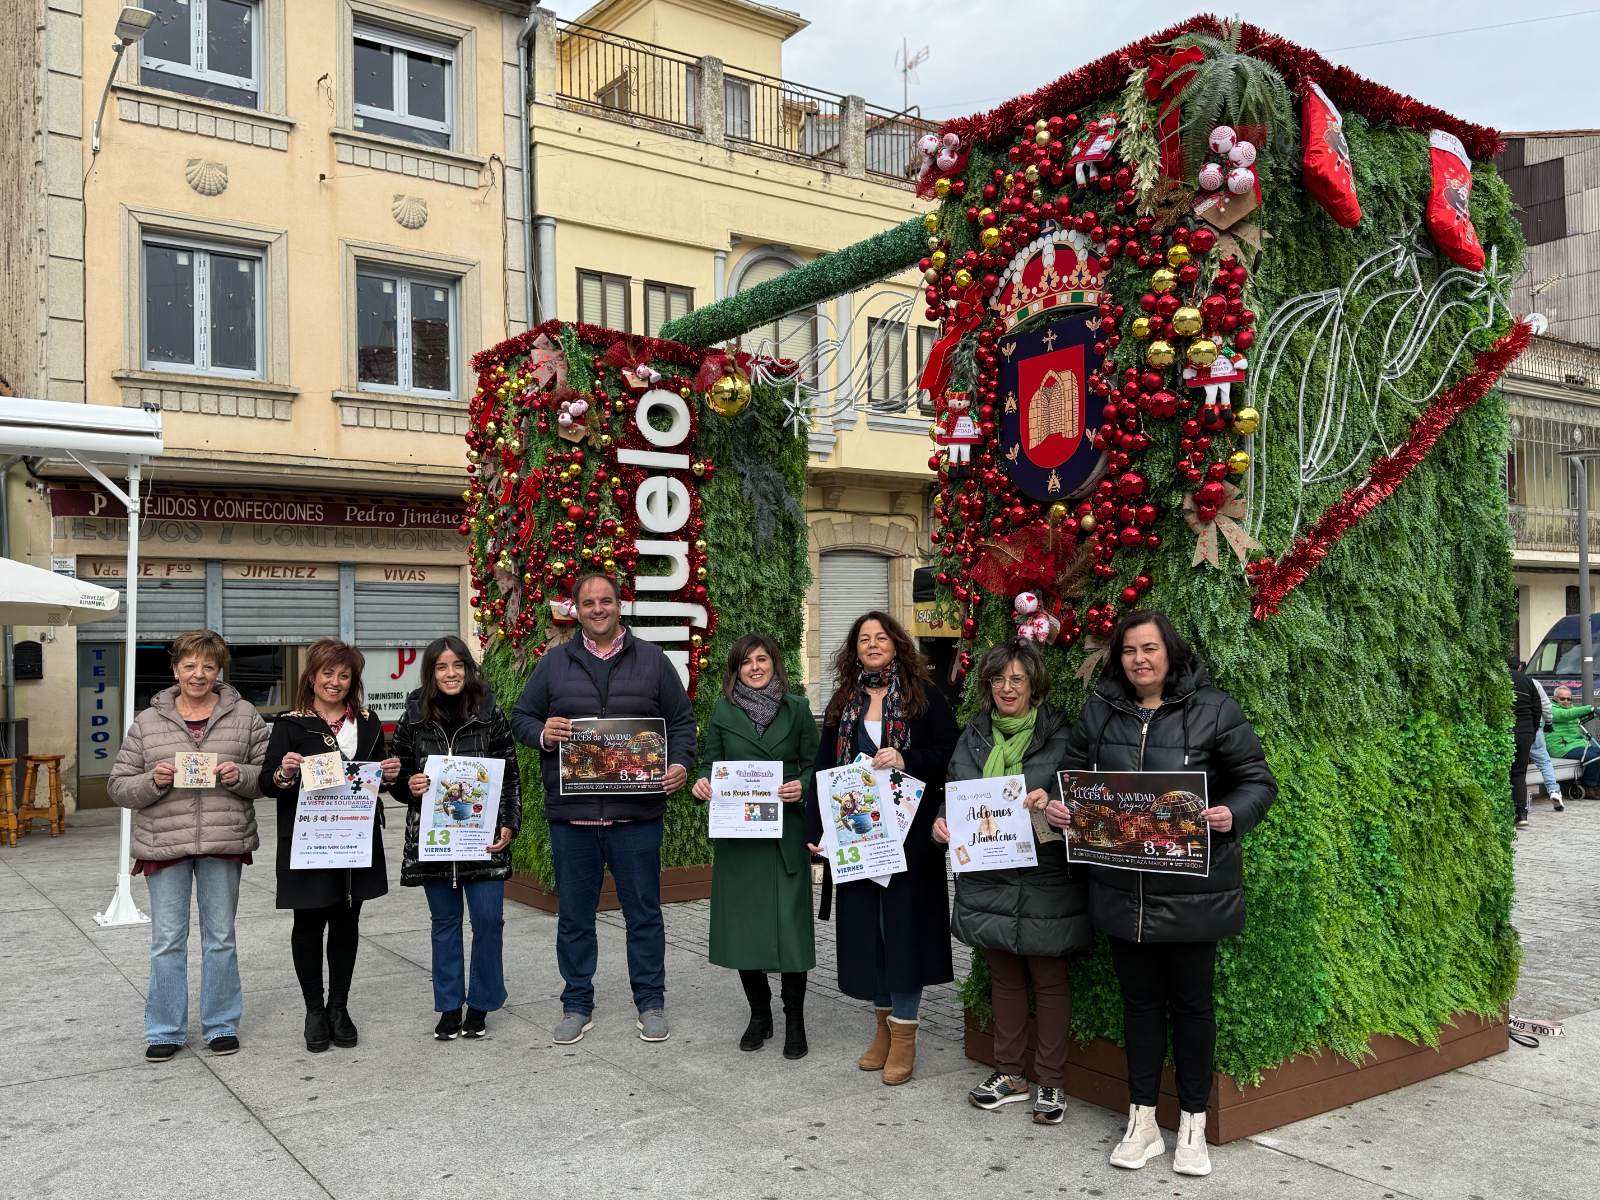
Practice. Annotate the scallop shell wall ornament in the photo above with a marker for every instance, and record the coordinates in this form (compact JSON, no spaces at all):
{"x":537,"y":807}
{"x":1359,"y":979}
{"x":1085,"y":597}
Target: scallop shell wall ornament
{"x":410,"y":211}
{"x":207,"y":177}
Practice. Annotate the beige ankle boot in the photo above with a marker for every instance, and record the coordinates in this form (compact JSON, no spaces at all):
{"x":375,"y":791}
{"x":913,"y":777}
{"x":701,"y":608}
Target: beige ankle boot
{"x":1191,"y":1156}
{"x":902,"y":1051}
{"x":1141,"y":1142}
{"x":878,"y":1053}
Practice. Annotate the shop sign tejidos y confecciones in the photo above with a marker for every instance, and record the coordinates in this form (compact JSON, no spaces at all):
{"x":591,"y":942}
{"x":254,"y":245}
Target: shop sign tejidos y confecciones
{"x":264,"y":508}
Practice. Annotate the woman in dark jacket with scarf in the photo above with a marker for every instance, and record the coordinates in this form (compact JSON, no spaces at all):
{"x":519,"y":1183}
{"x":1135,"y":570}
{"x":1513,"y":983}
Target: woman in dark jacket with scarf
{"x":1154,"y":709}
{"x":328,"y":715}
{"x":760,"y":888}
{"x":454,"y":714}
{"x":1026,"y":920}
{"x":892,"y":941}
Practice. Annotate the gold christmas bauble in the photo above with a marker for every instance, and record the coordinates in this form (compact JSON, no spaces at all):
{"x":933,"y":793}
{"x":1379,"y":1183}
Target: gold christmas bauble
{"x":466,"y":497}
{"x":1163,"y":280}
{"x":700,"y":574}
{"x":492,"y":520}
{"x":1186,"y":321}
{"x":1238,"y":462}
{"x":515,"y":446}
{"x":934,"y":242}
{"x":558,"y":568}
{"x":1037,"y":195}
{"x":938,"y":259}
{"x":491,"y":429}
{"x":963,"y":277}
{"x":933,"y":430}
{"x":699,"y":546}
{"x":1087,"y":522}
{"x":1178,"y":255}
{"x":696,"y":640}
{"x":1031,"y":174}
{"x":1010,"y":182}
{"x":571,"y":526}
{"x":729,"y":396}
{"x":1057,"y":512}
{"x":941,"y":188}
{"x":1246,"y":421}
{"x":990,"y":238}
{"x":1041,"y":123}
{"x":931,"y":275}
{"x":1160,"y":353}
{"x":474,"y":457}
{"x":610,"y":564}
{"x":1141,"y":327}
{"x":698,"y":467}
{"x":1202,"y":352}
{"x":930,"y":222}
{"x":1041,"y":137}
{"x":686,"y":391}
{"x":605,"y":441}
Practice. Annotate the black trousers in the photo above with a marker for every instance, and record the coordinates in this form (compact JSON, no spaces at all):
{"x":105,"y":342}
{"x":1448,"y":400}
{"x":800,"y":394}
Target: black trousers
{"x":342,"y":922}
{"x":1162,"y":982}
{"x":1519,"y":771}
{"x":759,"y":992}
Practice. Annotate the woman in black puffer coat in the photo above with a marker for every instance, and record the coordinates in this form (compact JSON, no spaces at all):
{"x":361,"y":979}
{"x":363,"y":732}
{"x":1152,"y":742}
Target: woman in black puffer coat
{"x":1154,"y":709}
{"x":454,"y":713}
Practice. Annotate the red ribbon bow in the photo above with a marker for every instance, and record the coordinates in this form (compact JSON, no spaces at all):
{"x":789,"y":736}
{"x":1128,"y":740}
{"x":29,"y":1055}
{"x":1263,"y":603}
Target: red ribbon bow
{"x":1168,"y":76}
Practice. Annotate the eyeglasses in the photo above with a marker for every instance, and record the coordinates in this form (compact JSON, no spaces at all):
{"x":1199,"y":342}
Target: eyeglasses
{"x":1016,"y":682}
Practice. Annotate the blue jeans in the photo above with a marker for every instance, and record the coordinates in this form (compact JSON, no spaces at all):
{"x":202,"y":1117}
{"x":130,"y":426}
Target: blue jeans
{"x":1590,"y":757}
{"x":166,"y":1003}
{"x":902,"y":1006}
{"x":581,"y":853}
{"x":485,"y":904}
{"x":1541,"y":759}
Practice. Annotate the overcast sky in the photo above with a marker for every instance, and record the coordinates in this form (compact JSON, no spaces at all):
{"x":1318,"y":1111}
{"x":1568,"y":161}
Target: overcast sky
{"x":1525,"y":76}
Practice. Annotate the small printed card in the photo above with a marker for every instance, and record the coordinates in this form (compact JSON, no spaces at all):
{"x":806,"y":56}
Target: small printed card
{"x":319,"y":772}
{"x":744,"y":800}
{"x":990,"y":828}
{"x":194,"y":769}
{"x":859,"y":835}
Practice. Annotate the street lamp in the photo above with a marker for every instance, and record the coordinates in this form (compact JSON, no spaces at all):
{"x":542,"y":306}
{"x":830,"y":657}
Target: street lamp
{"x":1586,"y":638}
{"x":132,"y":24}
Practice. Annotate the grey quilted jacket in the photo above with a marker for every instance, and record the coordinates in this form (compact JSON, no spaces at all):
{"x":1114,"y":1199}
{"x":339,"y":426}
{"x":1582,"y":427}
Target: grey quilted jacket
{"x":173,"y":823}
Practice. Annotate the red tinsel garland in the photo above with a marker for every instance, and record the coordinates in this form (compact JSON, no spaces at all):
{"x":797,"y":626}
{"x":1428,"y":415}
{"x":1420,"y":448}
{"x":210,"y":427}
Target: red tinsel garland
{"x":603,"y":339}
{"x":1385,"y":475}
{"x":1107,"y":75}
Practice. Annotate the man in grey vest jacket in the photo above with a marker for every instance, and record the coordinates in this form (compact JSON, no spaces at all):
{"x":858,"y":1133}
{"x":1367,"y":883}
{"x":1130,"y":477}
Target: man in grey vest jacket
{"x":606,"y":672}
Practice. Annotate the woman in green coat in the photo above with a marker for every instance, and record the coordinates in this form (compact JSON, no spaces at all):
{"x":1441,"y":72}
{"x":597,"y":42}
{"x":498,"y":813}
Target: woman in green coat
{"x":761,"y":888}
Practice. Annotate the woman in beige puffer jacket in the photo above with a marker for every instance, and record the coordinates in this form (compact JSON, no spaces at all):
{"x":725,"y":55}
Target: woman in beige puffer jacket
{"x":199,"y":836}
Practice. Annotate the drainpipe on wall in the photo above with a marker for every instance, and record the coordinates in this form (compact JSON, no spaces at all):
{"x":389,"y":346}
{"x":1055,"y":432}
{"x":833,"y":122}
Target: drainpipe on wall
{"x":532,"y":314}
{"x":5,"y":552}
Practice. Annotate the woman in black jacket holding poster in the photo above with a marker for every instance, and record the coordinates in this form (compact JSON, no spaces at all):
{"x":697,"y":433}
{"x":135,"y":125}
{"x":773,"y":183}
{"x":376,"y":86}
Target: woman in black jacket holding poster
{"x":454,"y":714}
{"x":1154,"y":709}
{"x":892,"y":941}
{"x":327,"y":716}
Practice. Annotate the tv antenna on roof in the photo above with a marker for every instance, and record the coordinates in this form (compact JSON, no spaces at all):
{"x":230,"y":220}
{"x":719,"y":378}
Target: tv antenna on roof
{"x":907,"y":63}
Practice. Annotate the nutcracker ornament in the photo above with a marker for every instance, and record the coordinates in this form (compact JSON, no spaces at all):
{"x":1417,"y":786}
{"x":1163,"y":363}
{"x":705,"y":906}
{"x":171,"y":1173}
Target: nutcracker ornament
{"x":1219,"y":377}
{"x":1093,"y":148}
{"x":957,"y":431}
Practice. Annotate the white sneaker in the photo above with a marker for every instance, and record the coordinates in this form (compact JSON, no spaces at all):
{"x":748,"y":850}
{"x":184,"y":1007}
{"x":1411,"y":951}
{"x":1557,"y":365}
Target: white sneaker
{"x":1555,"y":799}
{"x":1141,"y":1142}
{"x":1191,"y":1156}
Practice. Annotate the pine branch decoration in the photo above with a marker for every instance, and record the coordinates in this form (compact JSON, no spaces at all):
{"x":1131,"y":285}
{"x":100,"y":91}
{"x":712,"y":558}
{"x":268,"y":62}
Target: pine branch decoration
{"x":1232,"y":87}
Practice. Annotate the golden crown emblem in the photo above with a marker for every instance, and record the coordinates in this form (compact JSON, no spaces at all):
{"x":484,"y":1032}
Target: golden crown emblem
{"x":1056,"y":270}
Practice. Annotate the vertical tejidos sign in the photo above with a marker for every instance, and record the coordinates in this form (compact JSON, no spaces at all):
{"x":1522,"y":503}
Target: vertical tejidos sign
{"x":99,"y":706}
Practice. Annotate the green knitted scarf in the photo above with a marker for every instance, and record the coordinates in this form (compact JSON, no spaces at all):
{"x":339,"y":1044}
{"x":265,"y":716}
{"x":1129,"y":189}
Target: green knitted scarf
{"x":1011,"y":738}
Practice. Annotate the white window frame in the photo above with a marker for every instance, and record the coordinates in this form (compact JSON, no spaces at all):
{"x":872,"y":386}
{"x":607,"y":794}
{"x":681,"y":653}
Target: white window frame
{"x":197,"y":54}
{"x":884,"y":337}
{"x":402,"y":45}
{"x":402,"y":282}
{"x":201,"y":263}
{"x":666,"y":292}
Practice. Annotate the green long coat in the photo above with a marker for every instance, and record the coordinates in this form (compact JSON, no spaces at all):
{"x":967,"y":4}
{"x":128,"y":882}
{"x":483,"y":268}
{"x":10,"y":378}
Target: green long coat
{"x":761,"y":889}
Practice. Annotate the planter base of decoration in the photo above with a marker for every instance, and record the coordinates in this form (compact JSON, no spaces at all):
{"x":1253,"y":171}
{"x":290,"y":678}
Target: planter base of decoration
{"x":677,"y":885}
{"x":1302,"y":1087}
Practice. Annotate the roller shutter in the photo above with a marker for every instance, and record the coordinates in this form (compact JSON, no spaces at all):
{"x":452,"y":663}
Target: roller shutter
{"x":167,"y":607}
{"x":852,"y":582}
{"x":274,"y":613}
{"x":412,"y":615}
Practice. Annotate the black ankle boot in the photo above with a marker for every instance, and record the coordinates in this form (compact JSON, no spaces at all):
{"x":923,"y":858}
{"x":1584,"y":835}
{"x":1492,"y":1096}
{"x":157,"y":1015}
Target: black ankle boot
{"x":341,"y":1029}
{"x":316,"y":1030}
{"x":759,"y":1029}
{"x":794,"y":1018}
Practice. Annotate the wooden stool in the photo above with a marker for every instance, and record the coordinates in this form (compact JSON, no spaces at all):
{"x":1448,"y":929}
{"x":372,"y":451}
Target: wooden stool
{"x":8,"y":816}
{"x":55,"y":812}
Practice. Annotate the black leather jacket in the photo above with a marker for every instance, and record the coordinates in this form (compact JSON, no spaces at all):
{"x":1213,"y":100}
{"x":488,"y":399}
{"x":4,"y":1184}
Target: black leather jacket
{"x":1197,"y":728}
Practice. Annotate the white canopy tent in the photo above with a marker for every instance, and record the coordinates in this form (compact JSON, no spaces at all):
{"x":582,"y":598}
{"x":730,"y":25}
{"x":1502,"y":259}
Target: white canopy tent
{"x":30,"y":596}
{"x":93,"y":434}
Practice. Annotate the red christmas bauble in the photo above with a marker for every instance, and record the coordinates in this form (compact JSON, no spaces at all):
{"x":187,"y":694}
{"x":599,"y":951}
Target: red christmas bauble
{"x":1152,"y":541}
{"x":1210,"y":494}
{"x":1131,"y":484}
{"x":1145,"y":514}
{"x":1130,"y":596}
{"x":1201,"y":240}
{"x":1244,"y":339}
{"x":1130,"y":535}
{"x":1207,"y":512}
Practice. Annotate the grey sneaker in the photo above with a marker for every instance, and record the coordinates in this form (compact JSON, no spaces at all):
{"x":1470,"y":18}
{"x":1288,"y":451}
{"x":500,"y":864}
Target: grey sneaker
{"x":572,"y":1028}
{"x":1048,"y":1108}
{"x":653,"y":1026}
{"x":999,"y":1089}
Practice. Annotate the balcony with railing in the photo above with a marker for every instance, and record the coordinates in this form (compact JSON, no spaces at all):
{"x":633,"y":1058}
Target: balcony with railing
{"x":623,"y":79}
{"x":1541,"y":483}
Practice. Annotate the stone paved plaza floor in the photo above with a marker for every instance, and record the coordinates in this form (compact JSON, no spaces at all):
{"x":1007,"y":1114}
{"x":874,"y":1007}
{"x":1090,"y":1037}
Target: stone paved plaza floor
{"x":82,"y":1115}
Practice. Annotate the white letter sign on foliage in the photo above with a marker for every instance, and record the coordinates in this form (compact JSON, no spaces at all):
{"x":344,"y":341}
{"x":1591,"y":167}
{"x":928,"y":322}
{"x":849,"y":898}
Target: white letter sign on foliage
{"x":662,"y":504}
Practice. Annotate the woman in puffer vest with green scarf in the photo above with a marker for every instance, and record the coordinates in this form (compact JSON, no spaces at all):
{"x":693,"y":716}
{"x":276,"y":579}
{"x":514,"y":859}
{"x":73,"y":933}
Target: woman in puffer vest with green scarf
{"x":1025,"y":920}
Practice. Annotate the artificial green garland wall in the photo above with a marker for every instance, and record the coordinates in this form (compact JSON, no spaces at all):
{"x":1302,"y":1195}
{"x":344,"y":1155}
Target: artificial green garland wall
{"x":1379,"y":887}
{"x":755,"y":585}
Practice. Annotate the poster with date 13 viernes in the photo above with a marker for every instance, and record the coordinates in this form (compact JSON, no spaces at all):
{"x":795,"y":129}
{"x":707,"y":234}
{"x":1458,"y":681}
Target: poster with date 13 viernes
{"x":859,"y":834}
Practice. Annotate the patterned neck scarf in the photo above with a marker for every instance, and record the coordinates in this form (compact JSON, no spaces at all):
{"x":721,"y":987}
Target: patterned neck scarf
{"x":896,"y":730}
{"x":759,"y":704}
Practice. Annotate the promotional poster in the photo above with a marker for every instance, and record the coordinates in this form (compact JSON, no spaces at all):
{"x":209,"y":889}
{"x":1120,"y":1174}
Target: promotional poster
{"x":333,"y":826}
{"x":744,"y":800}
{"x":990,"y":828}
{"x":623,"y":755}
{"x":1138,"y":820}
{"x":459,"y":814}
{"x":859,"y":835}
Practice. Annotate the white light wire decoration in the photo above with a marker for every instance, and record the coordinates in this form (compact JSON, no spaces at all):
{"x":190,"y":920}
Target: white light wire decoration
{"x":1341,"y":385}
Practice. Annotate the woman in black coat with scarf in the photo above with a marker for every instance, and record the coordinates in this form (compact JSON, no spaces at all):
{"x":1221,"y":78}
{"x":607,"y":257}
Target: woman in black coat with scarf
{"x":454,"y":714}
{"x":1154,"y":709}
{"x":892,"y":941}
{"x":328,"y":715}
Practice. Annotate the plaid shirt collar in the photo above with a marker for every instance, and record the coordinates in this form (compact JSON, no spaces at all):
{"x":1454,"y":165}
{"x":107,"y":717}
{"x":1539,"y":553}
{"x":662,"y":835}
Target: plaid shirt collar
{"x":616,"y":644}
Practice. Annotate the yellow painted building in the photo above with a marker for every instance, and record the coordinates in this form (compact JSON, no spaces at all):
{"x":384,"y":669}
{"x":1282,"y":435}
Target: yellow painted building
{"x":295,"y":222}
